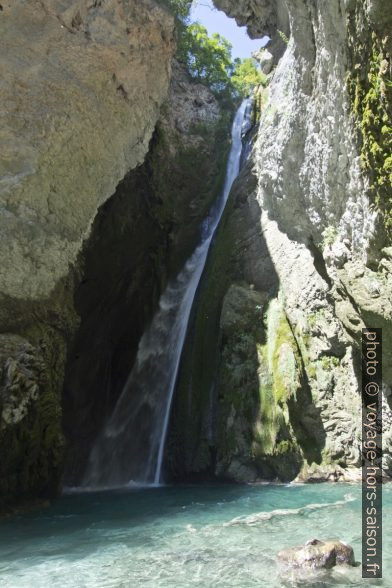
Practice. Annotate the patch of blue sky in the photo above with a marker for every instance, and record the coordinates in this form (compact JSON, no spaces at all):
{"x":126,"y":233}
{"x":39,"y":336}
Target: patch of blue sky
{"x":215,"y":21}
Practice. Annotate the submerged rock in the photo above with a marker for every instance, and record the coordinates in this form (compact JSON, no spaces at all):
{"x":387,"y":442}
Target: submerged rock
{"x":317,"y":554}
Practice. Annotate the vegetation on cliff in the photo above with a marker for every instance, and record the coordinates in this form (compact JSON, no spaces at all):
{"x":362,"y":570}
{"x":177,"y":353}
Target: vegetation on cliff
{"x":180,"y":8}
{"x":246,"y":76}
{"x":209,"y":60}
{"x":370,"y":88}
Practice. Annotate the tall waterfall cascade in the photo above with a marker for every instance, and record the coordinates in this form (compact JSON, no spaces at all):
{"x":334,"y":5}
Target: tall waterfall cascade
{"x":130,"y":449}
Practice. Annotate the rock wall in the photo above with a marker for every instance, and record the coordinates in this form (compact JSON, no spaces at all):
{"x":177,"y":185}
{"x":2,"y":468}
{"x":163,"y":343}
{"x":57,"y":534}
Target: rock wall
{"x":83,"y":82}
{"x":82,"y":86}
{"x":89,"y":237}
{"x":140,"y":239}
{"x":269,"y":385}
{"x":321,"y":163}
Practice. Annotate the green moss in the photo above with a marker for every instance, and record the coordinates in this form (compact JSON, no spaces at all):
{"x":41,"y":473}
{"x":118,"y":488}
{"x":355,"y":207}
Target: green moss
{"x":303,"y":338}
{"x":329,"y":236}
{"x":286,"y":446}
{"x":270,"y":417}
{"x":327,"y":457}
{"x":283,"y":36}
{"x":279,"y":377}
{"x":283,"y":387}
{"x":370,"y":89}
{"x":329,"y":362}
{"x":260,"y":101}
{"x":312,"y":320}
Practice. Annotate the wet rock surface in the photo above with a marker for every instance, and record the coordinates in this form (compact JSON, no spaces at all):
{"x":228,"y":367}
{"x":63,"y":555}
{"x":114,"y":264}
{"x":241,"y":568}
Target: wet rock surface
{"x":140,"y":239}
{"x":82,"y":86}
{"x":316,"y":554}
{"x":308,"y":223}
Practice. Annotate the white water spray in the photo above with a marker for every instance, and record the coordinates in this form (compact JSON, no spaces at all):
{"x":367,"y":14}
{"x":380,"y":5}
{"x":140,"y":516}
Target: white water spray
{"x":131,"y":447}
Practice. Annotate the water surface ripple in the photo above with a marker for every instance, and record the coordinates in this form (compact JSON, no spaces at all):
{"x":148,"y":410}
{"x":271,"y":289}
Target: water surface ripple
{"x":180,"y":537}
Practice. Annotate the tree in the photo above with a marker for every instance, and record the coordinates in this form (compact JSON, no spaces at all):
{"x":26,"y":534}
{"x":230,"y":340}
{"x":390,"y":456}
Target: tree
{"x":180,"y":8}
{"x":246,"y":76}
{"x":208,"y":58}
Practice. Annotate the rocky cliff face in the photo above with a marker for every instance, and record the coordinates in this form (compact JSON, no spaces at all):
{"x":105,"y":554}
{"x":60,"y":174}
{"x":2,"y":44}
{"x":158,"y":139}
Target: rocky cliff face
{"x":89,"y":237}
{"x":82,"y":86}
{"x":87,"y":241}
{"x":285,"y":396}
{"x":140,"y":239}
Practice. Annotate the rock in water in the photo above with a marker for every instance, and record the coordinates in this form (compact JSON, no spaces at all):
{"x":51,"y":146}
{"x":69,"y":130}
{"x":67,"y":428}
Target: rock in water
{"x":317,"y":554}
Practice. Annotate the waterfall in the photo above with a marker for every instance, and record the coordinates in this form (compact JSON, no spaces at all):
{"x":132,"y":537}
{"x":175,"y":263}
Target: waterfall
{"x":131,"y":447}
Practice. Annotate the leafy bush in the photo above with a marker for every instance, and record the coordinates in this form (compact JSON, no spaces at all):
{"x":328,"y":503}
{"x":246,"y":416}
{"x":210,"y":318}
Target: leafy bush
{"x":246,"y":76}
{"x":208,"y":59}
{"x":180,"y":8}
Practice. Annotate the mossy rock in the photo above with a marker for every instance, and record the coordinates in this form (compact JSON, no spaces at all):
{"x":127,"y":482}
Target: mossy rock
{"x":259,"y":372}
{"x":370,"y":90}
{"x":30,"y":425}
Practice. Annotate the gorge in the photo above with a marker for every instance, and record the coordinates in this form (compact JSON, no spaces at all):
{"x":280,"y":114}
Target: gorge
{"x":118,"y":458}
{"x":130,"y":350}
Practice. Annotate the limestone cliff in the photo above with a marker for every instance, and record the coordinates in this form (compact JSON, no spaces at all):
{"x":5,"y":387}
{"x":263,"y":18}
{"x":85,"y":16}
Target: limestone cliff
{"x":82,"y":85}
{"x":88,"y":242}
{"x":285,"y":395}
{"x":103,"y":186}
{"x":141,"y":237}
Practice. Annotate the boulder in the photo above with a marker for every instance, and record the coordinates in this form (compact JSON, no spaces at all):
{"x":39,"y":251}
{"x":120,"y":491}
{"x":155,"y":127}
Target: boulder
{"x":316,"y":554}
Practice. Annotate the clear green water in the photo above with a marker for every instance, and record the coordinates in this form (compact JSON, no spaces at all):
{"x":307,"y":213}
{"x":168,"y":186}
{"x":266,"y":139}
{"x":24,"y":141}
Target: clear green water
{"x":183,"y":537}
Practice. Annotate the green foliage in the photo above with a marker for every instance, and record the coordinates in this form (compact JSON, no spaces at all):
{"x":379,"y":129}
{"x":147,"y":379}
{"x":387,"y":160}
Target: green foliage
{"x":260,"y":100}
{"x":371,"y":94}
{"x":283,"y":37}
{"x":279,"y":377}
{"x":180,"y":8}
{"x":329,"y":236}
{"x":329,"y":362}
{"x":208,"y":59}
{"x":246,"y":76}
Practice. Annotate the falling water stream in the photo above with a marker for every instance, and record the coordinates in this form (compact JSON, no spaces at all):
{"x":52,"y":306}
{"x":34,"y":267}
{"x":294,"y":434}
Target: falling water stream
{"x":131,"y":447}
{"x":183,"y":536}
